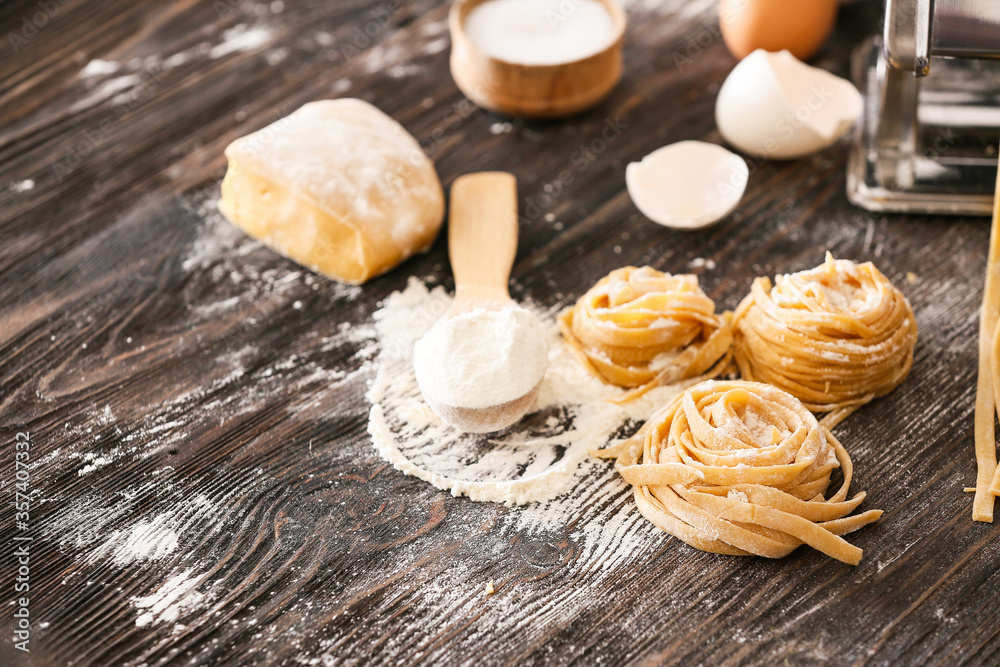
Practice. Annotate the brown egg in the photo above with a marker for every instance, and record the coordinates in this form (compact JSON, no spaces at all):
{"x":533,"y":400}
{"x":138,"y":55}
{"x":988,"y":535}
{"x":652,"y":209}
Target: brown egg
{"x":801,"y":26}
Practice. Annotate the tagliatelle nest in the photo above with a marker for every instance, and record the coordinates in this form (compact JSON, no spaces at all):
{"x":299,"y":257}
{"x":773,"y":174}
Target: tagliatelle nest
{"x":742,"y":468}
{"x":638,"y":328}
{"x":835,"y":337}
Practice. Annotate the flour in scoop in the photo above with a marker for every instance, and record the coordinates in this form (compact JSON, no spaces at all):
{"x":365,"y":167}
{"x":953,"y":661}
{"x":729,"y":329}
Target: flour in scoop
{"x":481,"y":358}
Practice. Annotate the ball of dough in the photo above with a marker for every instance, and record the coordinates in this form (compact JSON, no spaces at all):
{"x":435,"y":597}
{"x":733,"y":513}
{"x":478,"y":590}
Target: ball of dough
{"x":337,"y":186}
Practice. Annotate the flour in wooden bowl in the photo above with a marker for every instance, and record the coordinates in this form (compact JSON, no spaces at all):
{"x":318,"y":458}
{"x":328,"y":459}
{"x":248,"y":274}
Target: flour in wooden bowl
{"x":534,"y":460}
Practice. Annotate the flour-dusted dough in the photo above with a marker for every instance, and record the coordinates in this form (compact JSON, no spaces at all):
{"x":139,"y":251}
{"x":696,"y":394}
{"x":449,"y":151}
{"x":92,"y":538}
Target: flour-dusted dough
{"x":337,"y":186}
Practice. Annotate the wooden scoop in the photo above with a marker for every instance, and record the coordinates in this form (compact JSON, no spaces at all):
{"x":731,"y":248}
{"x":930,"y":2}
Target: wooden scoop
{"x":482,"y":243}
{"x":482,"y":239}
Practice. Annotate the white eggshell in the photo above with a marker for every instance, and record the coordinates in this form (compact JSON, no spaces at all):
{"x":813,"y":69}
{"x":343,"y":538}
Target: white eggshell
{"x":775,"y":106}
{"x":687,"y":185}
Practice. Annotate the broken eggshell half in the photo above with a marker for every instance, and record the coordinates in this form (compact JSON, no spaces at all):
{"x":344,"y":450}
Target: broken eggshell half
{"x":687,"y":185}
{"x":775,"y":106}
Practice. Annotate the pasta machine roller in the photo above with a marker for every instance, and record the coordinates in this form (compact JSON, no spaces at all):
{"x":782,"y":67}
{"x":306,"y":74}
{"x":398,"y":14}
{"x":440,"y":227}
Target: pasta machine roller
{"x":927,"y":141}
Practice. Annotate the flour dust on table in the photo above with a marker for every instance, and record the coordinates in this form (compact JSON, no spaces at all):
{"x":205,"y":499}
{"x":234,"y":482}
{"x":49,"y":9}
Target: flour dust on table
{"x":535,"y":460}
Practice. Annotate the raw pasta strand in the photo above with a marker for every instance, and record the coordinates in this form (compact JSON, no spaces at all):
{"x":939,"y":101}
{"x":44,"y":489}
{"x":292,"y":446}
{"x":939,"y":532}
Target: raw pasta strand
{"x":835,"y":337}
{"x":995,"y":375}
{"x":986,"y":397}
{"x":742,"y":468}
{"x":638,"y":328}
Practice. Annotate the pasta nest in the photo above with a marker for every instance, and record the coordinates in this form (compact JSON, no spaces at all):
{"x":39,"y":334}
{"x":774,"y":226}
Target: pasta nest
{"x":639,"y":327}
{"x":835,"y":337}
{"x":741,"y":468}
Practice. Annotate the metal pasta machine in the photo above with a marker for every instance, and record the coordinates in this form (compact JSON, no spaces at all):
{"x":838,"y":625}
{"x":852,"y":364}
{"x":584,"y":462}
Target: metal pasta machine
{"x":927,"y":142}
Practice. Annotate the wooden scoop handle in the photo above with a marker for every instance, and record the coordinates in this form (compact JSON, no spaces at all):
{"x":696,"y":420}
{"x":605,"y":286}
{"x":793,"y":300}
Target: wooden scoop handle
{"x":482,"y":236}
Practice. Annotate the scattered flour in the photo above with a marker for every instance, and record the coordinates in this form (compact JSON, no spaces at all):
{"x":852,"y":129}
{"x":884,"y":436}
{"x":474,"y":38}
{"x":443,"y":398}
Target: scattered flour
{"x":434,"y":28}
{"x":94,"y":462}
{"x":23,"y":186}
{"x":151,"y":539}
{"x":147,"y":526}
{"x":177,"y":595}
{"x":198,"y":51}
{"x":382,"y":56}
{"x":276,"y":56}
{"x":98,"y":67}
{"x":241,"y":38}
{"x":154,"y":538}
{"x":436,"y":46}
{"x":402,"y":71}
{"x":735,"y":494}
{"x":108,"y":89}
{"x":217,"y":240}
{"x":594,"y":528}
{"x":536,"y":460}
{"x":107,"y":416}
{"x":84,"y":522}
{"x":324,"y":38}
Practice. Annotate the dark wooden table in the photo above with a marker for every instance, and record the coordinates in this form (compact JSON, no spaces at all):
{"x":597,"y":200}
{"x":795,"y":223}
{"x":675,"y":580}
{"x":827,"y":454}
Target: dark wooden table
{"x":202,"y":486}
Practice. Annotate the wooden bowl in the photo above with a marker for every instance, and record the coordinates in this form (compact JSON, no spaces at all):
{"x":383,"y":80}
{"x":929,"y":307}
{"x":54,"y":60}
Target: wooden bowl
{"x":535,"y":91}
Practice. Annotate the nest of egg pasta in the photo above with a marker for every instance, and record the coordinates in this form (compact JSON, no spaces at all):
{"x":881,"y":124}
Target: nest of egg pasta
{"x":638,"y":328}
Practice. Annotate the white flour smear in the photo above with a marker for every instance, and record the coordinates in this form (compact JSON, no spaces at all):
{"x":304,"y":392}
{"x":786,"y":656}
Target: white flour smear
{"x":241,"y":38}
{"x":152,"y":539}
{"x":535,"y":460}
{"x":177,"y":595}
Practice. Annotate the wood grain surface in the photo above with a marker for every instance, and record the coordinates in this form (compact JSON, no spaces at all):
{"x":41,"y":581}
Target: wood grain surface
{"x":204,"y":490}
